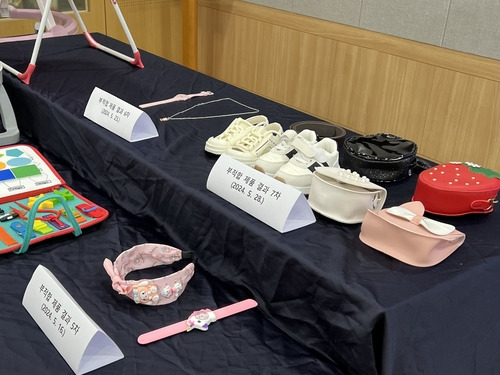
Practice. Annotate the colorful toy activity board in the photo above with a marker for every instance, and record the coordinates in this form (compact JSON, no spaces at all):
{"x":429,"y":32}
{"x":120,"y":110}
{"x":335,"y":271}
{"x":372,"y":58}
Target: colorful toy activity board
{"x":35,"y":203}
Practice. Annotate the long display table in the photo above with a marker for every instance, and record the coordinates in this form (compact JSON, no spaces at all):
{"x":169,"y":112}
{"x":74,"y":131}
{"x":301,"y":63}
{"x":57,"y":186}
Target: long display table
{"x":358,"y":309}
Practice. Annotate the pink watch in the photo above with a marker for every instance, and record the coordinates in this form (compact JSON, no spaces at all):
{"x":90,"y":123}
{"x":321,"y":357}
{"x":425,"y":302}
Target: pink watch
{"x":199,"y":319}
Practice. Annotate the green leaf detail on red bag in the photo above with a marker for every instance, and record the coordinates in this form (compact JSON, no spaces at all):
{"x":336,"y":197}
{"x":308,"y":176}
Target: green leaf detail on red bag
{"x":475,"y":168}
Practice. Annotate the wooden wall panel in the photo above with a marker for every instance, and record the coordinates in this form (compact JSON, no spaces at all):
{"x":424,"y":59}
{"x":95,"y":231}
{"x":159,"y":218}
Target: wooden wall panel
{"x":95,"y":17}
{"x":260,"y":57}
{"x":377,"y":92}
{"x":415,"y":96}
{"x":366,"y":89}
{"x":233,"y":47}
{"x":11,"y":27}
{"x":155,"y":25}
{"x":190,"y":33}
{"x":310,"y":60}
{"x":446,"y":101}
{"x":463,"y":119}
{"x":268,"y":52}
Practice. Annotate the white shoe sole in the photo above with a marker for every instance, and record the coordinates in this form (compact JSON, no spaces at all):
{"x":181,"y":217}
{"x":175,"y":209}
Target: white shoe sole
{"x":303,"y":189}
{"x":215,"y":150}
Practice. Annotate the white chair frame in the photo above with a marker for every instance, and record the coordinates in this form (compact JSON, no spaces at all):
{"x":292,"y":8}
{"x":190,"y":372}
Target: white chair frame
{"x":47,"y":18}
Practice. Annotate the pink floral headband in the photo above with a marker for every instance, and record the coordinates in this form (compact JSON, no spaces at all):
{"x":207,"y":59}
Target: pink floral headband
{"x":159,"y":291}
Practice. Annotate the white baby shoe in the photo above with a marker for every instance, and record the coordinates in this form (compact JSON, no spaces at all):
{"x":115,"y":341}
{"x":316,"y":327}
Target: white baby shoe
{"x":233,"y":133}
{"x":256,"y":142}
{"x":299,"y":170}
{"x":280,"y":154}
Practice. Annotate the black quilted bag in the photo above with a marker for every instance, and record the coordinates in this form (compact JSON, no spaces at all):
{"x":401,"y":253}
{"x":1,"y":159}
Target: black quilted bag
{"x":381,"y":157}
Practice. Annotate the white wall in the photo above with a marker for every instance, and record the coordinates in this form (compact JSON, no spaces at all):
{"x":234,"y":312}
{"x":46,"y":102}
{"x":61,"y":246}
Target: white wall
{"x":471,"y":26}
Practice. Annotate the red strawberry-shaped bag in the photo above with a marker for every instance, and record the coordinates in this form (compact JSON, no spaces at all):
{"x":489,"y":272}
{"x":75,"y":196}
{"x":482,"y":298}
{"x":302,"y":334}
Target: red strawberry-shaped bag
{"x":457,"y":188}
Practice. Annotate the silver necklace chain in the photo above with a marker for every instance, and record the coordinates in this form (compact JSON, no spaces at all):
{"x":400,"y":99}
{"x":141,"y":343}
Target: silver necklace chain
{"x":174,"y":116}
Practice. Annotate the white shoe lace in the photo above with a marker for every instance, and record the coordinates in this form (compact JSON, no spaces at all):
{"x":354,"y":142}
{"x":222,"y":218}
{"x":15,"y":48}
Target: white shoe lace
{"x":233,"y":129}
{"x":283,"y":145}
{"x":251,"y":140}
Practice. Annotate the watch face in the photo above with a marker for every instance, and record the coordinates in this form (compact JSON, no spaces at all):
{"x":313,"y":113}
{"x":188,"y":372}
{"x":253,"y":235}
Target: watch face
{"x":200,"y":319}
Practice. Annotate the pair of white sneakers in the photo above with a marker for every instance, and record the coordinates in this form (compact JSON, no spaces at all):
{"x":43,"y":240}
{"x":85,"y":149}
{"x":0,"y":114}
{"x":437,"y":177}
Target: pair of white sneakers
{"x":246,"y":140}
{"x":294,"y":160}
{"x":287,"y":156}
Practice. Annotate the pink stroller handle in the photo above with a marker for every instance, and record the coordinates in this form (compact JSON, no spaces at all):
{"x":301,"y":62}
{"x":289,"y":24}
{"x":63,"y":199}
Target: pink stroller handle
{"x":65,"y":24}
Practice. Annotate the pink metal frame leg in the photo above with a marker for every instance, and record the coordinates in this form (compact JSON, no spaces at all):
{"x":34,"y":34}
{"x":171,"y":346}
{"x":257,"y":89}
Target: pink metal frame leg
{"x":135,"y":60}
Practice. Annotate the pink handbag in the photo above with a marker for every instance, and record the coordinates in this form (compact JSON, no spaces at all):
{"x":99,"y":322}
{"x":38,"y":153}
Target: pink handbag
{"x":402,"y":232}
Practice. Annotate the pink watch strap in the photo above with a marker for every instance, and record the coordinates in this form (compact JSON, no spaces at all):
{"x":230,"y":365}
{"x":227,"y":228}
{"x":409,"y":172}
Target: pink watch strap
{"x":177,"y":98}
{"x":186,"y":325}
{"x":162,"y":333}
{"x":235,"y":308}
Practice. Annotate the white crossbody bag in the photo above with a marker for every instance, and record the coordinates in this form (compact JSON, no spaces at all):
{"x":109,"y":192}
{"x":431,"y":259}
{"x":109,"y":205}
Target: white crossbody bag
{"x":344,"y":196}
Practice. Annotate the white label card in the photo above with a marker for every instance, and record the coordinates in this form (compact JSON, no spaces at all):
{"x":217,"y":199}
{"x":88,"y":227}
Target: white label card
{"x":82,"y":344}
{"x":119,"y":117}
{"x":274,"y":203}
